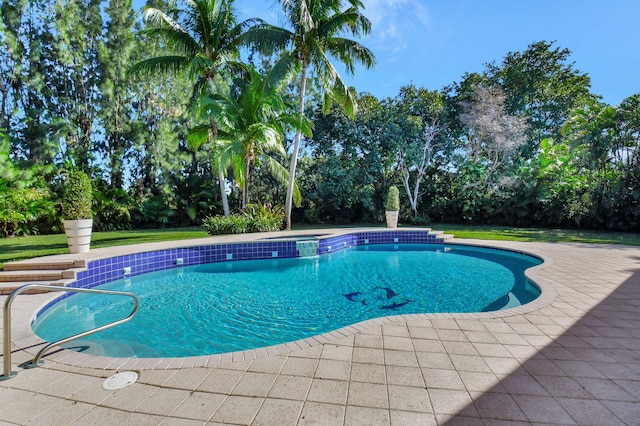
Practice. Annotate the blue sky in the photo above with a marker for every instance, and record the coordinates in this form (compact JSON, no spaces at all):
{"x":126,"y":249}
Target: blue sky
{"x":432,"y":43}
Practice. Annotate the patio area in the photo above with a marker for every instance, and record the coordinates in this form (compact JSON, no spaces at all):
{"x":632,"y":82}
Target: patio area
{"x":571,"y":357}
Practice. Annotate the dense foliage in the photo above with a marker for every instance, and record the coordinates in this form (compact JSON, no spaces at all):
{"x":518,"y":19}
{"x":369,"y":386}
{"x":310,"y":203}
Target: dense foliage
{"x":186,"y":113}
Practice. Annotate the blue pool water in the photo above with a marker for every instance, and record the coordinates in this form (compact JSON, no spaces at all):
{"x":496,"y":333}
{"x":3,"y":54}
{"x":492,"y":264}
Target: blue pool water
{"x":231,"y":306}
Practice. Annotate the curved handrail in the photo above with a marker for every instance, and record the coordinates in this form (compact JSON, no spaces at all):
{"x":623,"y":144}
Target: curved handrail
{"x":36,"y":362}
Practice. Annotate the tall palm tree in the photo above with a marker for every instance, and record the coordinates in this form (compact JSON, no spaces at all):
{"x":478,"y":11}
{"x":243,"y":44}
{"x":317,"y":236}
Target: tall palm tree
{"x":315,"y":37}
{"x":252,"y":119}
{"x":204,"y":39}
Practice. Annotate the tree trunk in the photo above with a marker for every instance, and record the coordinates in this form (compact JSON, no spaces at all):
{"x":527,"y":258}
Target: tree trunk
{"x":296,"y":149}
{"x":223,"y":192}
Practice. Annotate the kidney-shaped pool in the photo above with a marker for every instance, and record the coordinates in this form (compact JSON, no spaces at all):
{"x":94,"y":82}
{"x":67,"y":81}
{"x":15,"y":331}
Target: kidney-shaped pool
{"x":230,"y":306}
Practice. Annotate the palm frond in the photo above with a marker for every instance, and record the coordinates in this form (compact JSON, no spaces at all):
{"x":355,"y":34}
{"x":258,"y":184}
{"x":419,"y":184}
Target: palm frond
{"x":158,"y":65}
{"x":281,"y":175}
{"x":280,"y":73}
{"x":349,"y":52}
{"x":197,"y":136}
{"x":267,"y":39}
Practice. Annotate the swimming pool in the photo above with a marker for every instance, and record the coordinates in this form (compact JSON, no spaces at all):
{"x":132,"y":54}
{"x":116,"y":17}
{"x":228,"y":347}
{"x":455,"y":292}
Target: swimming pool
{"x":230,"y":306}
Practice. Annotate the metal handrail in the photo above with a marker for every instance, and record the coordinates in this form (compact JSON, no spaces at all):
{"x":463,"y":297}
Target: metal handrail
{"x":36,"y":362}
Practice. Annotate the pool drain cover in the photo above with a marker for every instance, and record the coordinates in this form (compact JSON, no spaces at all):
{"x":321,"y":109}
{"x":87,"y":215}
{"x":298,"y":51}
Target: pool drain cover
{"x":120,"y":380}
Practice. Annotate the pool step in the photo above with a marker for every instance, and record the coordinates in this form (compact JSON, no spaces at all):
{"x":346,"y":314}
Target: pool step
{"x":39,"y":264}
{"x":38,"y":271}
{"x":9,"y":286}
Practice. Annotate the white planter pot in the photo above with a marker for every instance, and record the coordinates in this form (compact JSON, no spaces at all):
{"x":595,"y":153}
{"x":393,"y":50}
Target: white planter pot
{"x":392,"y":219}
{"x":78,"y":235}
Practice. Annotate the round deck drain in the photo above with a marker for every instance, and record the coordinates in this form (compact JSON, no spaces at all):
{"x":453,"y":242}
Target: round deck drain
{"x":120,"y":380}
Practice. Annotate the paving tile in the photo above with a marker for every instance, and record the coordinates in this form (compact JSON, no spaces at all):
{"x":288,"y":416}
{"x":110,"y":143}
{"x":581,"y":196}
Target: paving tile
{"x":434,"y":360}
{"x":628,"y":412}
{"x":130,"y":397}
{"x":188,"y":378}
{"x":562,"y":387}
{"x":469,"y":363}
{"x":404,"y":376}
{"x":407,"y":418}
{"x":400,"y":358}
{"x":141,"y":419}
{"x":370,"y":373}
{"x":605,"y":389}
{"x":368,"y":395}
{"x":238,"y":409}
{"x":421,"y":345}
{"x":334,"y":352}
{"x":398,"y":343}
{"x":395,"y":330}
{"x":254,"y":384}
{"x":163,"y":401}
{"x":406,"y":398}
{"x":272,"y":364}
{"x":331,"y":369}
{"x":589,"y":412}
{"x":522,"y":385}
{"x":62,"y":414}
{"x":278,"y":412}
{"x":460,"y":348}
{"x":368,"y":355}
{"x":305,"y":367}
{"x":199,"y":406}
{"x":365,"y":416}
{"x":442,"y":379}
{"x":220,"y":381}
{"x":500,"y":406}
{"x":317,"y":413}
{"x":103,"y":416}
{"x":368,"y":341}
{"x":447,"y":401}
{"x":543,"y":409}
{"x":328,"y":391}
{"x":175,"y":421}
{"x":291,"y":387}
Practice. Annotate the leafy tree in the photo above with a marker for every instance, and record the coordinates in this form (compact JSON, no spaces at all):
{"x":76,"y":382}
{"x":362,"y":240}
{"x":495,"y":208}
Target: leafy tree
{"x":492,"y":135}
{"x":78,"y":29}
{"x":116,"y":111}
{"x":26,"y":64}
{"x":541,"y":84}
{"x":316,"y":34}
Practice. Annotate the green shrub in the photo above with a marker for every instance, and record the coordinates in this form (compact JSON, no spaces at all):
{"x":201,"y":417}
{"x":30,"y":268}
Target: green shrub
{"x":77,"y":197}
{"x":20,"y":208}
{"x":256,"y":218}
{"x":393,"y":200}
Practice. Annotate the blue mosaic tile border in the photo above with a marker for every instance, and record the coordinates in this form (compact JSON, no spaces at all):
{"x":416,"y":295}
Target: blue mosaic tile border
{"x":106,"y":270}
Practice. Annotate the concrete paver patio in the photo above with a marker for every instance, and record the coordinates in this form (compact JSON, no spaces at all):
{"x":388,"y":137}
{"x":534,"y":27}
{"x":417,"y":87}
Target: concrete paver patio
{"x":572,"y":357}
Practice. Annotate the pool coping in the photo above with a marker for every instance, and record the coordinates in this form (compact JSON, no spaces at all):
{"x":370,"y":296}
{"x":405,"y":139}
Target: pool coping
{"x":23,"y":336}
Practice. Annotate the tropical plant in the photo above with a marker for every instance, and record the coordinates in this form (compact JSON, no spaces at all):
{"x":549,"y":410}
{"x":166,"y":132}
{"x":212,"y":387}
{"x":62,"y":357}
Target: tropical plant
{"x":256,"y":218}
{"x":252,"y":119}
{"x":204,"y":41}
{"x":316,"y":34}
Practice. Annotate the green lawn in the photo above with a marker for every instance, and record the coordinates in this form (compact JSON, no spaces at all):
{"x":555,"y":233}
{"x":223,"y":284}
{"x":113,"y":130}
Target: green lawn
{"x":27,"y":247}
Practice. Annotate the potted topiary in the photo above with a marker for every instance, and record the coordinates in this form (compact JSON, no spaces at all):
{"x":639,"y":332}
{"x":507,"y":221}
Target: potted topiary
{"x":76,"y":211}
{"x":392,"y":207}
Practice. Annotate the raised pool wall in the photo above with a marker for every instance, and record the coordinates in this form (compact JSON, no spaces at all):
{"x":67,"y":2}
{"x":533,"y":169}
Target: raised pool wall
{"x":106,"y":270}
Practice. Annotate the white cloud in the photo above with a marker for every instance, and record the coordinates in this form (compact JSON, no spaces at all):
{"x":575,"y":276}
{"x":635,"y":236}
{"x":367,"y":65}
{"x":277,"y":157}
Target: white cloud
{"x":396,"y":25}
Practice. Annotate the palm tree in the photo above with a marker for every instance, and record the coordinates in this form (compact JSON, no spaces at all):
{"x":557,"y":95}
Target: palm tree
{"x":252,"y":119}
{"x":204,"y":39}
{"x":316,"y":33}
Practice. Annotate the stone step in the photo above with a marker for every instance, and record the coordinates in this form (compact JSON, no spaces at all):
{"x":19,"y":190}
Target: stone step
{"x":40,"y":264}
{"x":8,"y":287}
{"x":34,"y":275}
